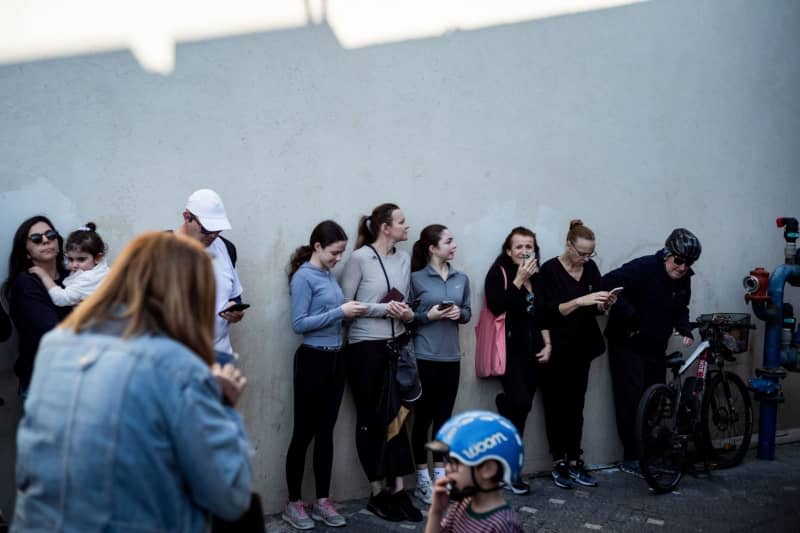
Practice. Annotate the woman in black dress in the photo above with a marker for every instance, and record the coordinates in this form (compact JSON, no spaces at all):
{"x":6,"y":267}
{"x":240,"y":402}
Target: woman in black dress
{"x":511,"y":287}
{"x":36,"y":243}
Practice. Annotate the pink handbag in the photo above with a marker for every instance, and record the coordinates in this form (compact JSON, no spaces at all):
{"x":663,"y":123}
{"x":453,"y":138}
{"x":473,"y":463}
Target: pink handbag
{"x":490,"y":340}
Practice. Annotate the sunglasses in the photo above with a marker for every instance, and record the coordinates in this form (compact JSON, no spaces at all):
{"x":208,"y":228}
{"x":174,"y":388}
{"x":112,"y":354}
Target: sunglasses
{"x":531,"y":308}
{"x":584,"y":254}
{"x":680,"y":261}
{"x":203,"y":230}
{"x":37,"y":238}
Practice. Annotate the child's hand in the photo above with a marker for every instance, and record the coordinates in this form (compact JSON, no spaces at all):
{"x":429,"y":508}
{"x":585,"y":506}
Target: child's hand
{"x":440,"y":496}
{"x":38,"y":271}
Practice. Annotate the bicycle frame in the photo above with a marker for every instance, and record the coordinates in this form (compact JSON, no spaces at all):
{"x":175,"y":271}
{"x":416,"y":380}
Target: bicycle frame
{"x":695,"y":354}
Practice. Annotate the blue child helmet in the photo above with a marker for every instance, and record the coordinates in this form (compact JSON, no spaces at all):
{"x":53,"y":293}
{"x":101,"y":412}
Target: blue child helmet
{"x":473,"y":437}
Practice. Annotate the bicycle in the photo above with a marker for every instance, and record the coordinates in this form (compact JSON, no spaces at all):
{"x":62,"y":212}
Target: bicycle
{"x":717,"y":419}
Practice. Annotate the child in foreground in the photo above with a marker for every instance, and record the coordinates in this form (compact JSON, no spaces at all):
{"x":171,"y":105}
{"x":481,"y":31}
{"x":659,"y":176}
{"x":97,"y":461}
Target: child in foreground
{"x":484,"y":452}
{"x":86,"y":260}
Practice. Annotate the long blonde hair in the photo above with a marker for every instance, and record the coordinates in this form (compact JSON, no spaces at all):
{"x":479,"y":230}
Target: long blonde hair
{"x":162,"y":283}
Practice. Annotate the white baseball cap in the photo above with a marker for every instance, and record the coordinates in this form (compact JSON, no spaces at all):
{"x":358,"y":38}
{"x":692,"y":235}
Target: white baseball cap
{"x":207,"y":206}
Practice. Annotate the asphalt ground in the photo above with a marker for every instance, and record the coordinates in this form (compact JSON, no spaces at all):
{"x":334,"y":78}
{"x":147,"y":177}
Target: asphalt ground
{"x":752,"y":497}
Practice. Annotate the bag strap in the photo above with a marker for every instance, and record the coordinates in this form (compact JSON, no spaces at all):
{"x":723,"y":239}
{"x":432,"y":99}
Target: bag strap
{"x":388,"y":285}
{"x":505,"y":278}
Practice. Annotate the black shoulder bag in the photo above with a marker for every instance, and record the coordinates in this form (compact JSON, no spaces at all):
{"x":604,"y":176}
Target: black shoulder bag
{"x":407,"y":375}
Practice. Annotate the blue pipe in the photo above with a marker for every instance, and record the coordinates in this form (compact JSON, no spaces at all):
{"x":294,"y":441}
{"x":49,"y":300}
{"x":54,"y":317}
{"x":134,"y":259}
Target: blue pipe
{"x":772,"y":357}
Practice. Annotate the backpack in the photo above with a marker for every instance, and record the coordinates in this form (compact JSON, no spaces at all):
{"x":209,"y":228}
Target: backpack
{"x":490,"y":340}
{"x":231,"y":250}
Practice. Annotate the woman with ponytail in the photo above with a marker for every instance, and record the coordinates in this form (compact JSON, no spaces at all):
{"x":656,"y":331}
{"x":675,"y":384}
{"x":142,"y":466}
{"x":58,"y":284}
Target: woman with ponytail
{"x":444,"y":303}
{"x":318,"y":309}
{"x":572,"y":297}
{"x":379,"y":275}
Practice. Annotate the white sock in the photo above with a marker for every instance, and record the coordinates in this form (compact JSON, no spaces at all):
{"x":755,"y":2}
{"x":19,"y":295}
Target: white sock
{"x":423,"y":476}
{"x":438,"y":472}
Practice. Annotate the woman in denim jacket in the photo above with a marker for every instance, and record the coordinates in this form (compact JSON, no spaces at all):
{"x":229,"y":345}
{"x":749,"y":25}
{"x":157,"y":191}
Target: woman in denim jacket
{"x":125,"y":427}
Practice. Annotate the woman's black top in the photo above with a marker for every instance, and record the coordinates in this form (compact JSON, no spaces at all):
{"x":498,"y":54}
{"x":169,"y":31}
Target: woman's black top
{"x":576,"y":334}
{"x":524,"y":317}
{"x":33,"y":314}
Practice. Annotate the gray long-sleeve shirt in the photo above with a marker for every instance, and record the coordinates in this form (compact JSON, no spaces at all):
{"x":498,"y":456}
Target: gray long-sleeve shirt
{"x":437,"y":340}
{"x":363,"y":280}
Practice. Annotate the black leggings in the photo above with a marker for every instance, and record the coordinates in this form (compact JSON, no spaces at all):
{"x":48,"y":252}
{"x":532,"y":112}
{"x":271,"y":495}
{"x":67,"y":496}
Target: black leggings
{"x":319,"y":378}
{"x":519,"y":386}
{"x":631,"y":374}
{"x":564,"y":381}
{"x":367,"y":364}
{"x":439,"y":388}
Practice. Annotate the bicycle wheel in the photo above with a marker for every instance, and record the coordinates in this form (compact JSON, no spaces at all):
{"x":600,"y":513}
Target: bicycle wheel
{"x":727,"y":420}
{"x":661,"y":447}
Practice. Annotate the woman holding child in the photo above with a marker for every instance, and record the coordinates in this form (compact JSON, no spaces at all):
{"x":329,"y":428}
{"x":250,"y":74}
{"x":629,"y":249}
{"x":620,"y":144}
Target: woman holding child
{"x":36,"y":245}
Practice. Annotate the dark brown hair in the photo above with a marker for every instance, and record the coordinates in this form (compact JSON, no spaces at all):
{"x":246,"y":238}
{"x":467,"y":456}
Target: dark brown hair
{"x":86,"y":240}
{"x":325,"y":233}
{"x":429,"y":236}
{"x":18,"y":261}
{"x":525,"y":232}
{"x":369,"y":226}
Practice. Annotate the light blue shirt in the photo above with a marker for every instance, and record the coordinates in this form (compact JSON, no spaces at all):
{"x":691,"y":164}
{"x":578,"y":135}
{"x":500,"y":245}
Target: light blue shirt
{"x":317,"y":306}
{"x":127,"y":435}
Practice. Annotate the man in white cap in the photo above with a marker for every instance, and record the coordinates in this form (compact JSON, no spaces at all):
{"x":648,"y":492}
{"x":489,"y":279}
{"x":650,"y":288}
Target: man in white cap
{"x":204,"y":219}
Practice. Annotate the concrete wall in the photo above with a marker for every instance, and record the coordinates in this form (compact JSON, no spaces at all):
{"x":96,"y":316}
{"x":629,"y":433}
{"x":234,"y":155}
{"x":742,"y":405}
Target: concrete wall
{"x":635,"y":119}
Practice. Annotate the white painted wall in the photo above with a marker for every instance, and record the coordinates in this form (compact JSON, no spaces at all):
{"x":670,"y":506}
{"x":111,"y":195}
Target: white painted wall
{"x":636,"y":119}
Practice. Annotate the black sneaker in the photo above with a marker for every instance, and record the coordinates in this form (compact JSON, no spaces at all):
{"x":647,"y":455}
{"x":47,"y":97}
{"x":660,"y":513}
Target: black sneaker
{"x":404,"y":504}
{"x":579,"y":475}
{"x":383,"y":506}
{"x":519,"y":487}
{"x":560,"y":474}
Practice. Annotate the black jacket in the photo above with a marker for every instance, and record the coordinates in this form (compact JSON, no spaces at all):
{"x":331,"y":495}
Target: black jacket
{"x":523,"y":330}
{"x":33,"y":314}
{"x":651,"y":305}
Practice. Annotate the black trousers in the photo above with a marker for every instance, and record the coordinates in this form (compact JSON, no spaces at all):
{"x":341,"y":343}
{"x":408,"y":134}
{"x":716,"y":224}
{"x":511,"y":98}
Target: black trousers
{"x":564,"y":381}
{"x":319,"y":378}
{"x":519,"y":386}
{"x":631,"y":373}
{"x":367,"y":363}
{"x":439,"y":388}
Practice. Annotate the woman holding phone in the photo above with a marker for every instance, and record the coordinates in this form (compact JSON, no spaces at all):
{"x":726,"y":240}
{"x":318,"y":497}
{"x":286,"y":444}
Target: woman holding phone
{"x":379,"y":275}
{"x":511,"y":287}
{"x":442,"y":298}
{"x":570,"y":294}
{"x":318,"y":310}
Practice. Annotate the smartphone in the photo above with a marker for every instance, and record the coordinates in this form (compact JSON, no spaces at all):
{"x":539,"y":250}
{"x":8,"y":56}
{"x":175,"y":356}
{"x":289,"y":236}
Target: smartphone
{"x":616,"y":290}
{"x":446,"y":304}
{"x":235,"y":307}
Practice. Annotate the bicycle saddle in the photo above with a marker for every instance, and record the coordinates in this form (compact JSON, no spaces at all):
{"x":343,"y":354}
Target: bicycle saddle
{"x":674,"y":360}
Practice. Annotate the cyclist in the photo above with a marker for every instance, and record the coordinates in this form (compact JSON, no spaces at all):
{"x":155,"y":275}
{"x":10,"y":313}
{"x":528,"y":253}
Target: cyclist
{"x":653,"y":302}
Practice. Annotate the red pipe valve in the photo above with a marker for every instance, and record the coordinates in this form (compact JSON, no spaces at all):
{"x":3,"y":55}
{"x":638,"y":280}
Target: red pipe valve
{"x":755,"y":285}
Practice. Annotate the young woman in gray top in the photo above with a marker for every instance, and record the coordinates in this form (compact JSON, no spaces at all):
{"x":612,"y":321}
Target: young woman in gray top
{"x":318,"y":310}
{"x":443,"y":297}
{"x":378,"y":275}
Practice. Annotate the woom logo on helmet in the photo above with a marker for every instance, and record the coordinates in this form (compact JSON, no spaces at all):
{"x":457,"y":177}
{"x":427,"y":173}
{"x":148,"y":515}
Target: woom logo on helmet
{"x":487,"y":444}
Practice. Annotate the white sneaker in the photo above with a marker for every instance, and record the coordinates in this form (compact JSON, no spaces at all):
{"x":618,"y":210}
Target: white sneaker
{"x":324,"y":511}
{"x":424,"y":491}
{"x":295,"y":514}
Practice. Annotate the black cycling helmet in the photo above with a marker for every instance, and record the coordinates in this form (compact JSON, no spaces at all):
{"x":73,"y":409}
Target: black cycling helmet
{"x":683,"y":243}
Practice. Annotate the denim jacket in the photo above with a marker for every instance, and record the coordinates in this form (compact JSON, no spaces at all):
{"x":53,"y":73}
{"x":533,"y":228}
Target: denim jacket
{"x":127,"y":435}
